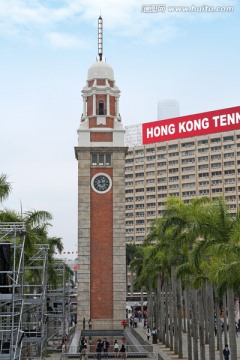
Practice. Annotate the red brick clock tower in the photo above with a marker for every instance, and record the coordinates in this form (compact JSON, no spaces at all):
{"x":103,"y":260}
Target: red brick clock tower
{"x":101,"y":196}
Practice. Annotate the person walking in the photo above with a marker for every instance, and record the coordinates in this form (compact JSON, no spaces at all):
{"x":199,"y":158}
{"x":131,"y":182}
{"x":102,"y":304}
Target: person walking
{"x":226,"y":352}
{"x":116,"y":349}
{"x":148,"y":333}
{"x":105,"y":346}
{"x":99,"y":349}
{"x":123,"y":351}
{"x":83,"y":351}
{"x":64,"y":344}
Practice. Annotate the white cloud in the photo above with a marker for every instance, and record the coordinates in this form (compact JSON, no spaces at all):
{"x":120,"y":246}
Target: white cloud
{"x":65,"y":41}
{"x":48,"y":17}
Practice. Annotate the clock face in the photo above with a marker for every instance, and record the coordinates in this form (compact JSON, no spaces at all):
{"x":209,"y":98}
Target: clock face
{"x":101,"y":183}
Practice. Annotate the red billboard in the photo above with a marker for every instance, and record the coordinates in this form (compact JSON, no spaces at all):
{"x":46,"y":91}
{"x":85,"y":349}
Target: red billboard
{"x":191,"y":125}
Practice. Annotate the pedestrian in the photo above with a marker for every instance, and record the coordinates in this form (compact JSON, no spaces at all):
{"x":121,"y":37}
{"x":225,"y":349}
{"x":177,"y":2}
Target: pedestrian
{"x":123,"y":351}
{"x":154,"y":335}
{"x":148,"y":333}
{"x":82,"y":343}
{"x":105,"y":346}
{"x":226,"y":352}
{"x":135,"y":321}
{"x":83,"y":351}
{"x":99,"y":349}
{"x":64,"y":344}
{"x":116,"y":349}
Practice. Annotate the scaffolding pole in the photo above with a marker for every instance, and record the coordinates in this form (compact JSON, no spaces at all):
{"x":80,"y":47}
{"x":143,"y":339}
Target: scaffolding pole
{"x":11,"y":289}
{"x":35,"y":304}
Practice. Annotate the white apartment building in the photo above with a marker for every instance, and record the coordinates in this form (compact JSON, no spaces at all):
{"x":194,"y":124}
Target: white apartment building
{"x":188,"y":168}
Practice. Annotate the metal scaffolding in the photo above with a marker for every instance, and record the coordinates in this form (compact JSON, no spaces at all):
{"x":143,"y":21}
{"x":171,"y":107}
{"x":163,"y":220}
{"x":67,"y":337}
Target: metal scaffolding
{"x":35,"y":304}
{"x":11,"y":289}
{"x":58,"y":307}
{"x":32,"y":314}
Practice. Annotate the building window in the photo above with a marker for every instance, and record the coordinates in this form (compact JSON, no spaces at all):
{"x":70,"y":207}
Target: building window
{"x":187,"y":185}
{"x":173,"y":162}
{"x":229,"y":163}
{"x":216,"y":157}
{"x":101,"y":160}
{"x":129,"y":168}
{"x":139,"y":167}
{"x":215,"y":140}
{"x":162,"y":180}
{"x":188,"y":168}
{"x":187,"y":161}
{"x":204,"y":150}
{"x":139,"y":222}
{"x":151,"y":197}
{"x":172,"y":147}
{"x":204,"y":167}
{"x":101,"y":108}
{"x":152,"y":188}
{"x":203,"y":158}
{"x":161,"y":148}
{"x":190,"y":176}
{"x":203,"y":183}
{"x":202,"y":142}
{"x":174,"y":194}
{"x":216,"y":173}
{"x":228,"y":155}
{"x":188,"y":144}
{"x":150,"y":150}
{"x":139,"y":198}
{"x":216,"y":182}
{"x":141,"y":159}
{"x":129,"y":191}
{"x":189,"y":193}
{"x":129,"y":238}
{"x":205,"y":174}
{"x":228,"y":138}
{"x":129,"y":176}
{"x":204,"y":192}
{"x":215,"y":148}
{"x":188,"y":152}
{"x":139,"y":182}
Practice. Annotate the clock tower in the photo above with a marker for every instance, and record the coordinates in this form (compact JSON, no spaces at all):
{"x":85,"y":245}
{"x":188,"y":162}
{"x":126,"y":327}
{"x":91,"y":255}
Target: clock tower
{"x":101,"y":200}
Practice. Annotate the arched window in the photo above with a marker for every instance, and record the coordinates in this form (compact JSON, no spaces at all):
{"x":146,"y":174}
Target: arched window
{"x":101,"y":108}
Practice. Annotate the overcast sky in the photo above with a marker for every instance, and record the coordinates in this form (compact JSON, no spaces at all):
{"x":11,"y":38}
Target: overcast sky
{"x":46,"y":48}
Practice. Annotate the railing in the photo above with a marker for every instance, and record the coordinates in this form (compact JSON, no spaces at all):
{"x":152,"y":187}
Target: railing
{"x":139,"y":352}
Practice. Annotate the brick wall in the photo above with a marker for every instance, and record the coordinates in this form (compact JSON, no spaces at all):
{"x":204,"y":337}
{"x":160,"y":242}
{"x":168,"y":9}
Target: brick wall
{"x":101,"y":252}
{"x":101,"y":137}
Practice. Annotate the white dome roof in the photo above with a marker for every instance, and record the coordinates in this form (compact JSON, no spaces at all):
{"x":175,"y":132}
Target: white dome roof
{"x":100,"y":70}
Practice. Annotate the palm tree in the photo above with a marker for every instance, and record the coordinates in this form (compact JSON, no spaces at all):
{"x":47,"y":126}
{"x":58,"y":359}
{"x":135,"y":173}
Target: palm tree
{"x":130,"y":253}
{"x":5,"y":187}
{"x":218,"y":249}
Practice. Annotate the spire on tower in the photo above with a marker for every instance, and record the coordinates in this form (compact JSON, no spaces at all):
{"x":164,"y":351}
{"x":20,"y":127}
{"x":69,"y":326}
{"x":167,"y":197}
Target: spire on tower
{"x":100,"y":38}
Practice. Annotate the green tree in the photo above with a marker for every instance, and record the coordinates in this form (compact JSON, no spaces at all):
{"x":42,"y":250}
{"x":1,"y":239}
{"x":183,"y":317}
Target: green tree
{"x":5,"y":187}
{"x":131,"y":250}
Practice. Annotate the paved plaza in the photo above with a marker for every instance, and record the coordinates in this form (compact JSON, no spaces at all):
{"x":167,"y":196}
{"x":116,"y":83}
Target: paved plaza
{"x":166,"y":354}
